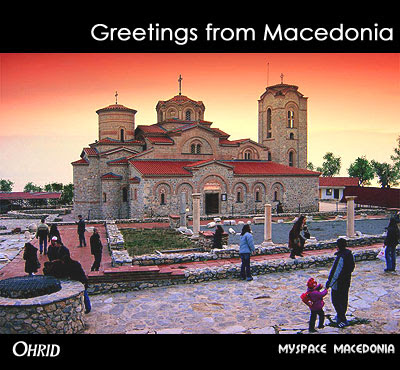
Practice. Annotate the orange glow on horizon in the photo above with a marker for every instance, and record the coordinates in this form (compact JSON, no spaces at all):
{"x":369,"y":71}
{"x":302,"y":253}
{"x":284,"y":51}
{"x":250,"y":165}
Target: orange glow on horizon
{"x":48,"y":101}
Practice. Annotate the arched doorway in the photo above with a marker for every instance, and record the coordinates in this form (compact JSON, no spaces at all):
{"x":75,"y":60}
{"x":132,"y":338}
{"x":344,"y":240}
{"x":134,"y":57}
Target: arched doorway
{"x":212,"y":191}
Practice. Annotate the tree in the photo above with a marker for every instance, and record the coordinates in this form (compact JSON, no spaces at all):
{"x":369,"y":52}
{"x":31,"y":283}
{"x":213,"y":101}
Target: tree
{"x":331,"y":165}
{"x":387,"y":174}
{"x":54,"y":187}
{"x":67,"y":194}
{"x":396,"y":157}
{"x":310,"y":166}
{"x":362,"y":169}
{"x":31,"y":187}
{"x":6,"y":185}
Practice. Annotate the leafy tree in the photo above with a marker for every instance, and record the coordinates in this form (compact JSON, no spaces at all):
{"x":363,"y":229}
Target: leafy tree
{"x":6,"y":185}
{"x":67,"y":194}
{"x":387,"y":174}
{"x":396,"y":157}
{"x":310,"y":166}
{"x":31,"y":187}
{"x":362,"y":169}
{"x":331,"y":165}
{"x":54,"y":187}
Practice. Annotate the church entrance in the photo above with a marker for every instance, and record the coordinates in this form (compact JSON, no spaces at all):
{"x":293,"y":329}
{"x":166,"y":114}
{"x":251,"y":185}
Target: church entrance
{"x":212,"y":203}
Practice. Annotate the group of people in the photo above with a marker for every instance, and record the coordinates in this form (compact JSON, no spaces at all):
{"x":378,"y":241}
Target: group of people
{"x":340,"y":274}
{"x":60,"y":264}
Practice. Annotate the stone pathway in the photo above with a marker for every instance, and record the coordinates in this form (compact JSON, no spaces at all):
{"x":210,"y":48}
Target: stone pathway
{"x":268,"y":304}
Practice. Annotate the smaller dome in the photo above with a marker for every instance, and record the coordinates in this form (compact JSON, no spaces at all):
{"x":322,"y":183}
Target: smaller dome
{"x":116,"y":107}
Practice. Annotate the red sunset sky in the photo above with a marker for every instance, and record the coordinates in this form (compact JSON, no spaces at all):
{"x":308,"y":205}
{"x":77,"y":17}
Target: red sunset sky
{"x":49,"y":101}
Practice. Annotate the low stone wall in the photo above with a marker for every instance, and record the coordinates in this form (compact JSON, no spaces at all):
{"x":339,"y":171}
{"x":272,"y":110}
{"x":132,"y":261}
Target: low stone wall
{"x":233,"y":252}
{"x":232,"y":271}
{"x":57,"y":313}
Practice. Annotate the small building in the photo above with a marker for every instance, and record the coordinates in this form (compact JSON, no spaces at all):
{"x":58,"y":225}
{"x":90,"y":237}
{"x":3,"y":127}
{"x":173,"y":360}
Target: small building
{"x":17,"y":199}
{"x":332,"y":188}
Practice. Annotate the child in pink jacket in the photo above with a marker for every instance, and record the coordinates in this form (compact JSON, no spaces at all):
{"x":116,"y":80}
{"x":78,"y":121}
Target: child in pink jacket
{"x":316,"y":297}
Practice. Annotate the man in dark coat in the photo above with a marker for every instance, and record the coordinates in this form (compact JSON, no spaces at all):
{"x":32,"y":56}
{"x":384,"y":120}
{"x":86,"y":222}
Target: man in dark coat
{"x":56,"y":250}
{"x":339,"y":280}
{"x":81,"y":231}
{"x":96,"y":249}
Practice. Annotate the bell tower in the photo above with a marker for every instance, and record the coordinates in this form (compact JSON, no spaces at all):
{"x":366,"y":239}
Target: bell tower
{"x":282,"y":124}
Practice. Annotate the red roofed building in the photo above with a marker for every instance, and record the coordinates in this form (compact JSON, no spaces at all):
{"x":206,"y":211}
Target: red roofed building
{"x":332,"y":188}
{"x":133,"y":171}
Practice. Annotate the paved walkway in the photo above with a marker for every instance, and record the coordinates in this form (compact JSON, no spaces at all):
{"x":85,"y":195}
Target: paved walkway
{"x":268,"y":304}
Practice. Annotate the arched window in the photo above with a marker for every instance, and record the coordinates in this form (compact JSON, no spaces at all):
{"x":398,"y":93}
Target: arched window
{"x":291,"y":159}
{"x":247,"y":155}
{"x":198,"y":149}
{"x":104,"y":197}
{"x":162,"y":199}
{"x":290,"y":118}
{"x":124,"y":194}
{"x":193,"y":149}
{"x":188,"y":115}
{"x":291,"y":136}
{"x":276,"y":196}
{"x":269,"y":156}
{"x":122,"y":134}
{"x":239,"y":197}
{"x":269,"y":123}
{"x":257,"y":196}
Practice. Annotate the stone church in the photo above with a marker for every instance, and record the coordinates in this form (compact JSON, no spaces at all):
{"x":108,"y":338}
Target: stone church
{"x":141,"y":171}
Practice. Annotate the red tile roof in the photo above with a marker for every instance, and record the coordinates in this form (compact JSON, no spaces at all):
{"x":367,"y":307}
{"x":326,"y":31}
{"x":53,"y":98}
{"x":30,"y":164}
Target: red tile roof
{"x":338,"y":181}
{"x":161,"y":168}
{"x":108,"y":141}
{"x":250,"y":168}
{"x":114,"y":107}
{"x":180,"y":99}
{"x":160,"y":139}
{"x":91,"y":152}
{"x":111,"y":176}
{"x":26,"y":195}
{"x":151,"y":129}
{"x":80,"y":161}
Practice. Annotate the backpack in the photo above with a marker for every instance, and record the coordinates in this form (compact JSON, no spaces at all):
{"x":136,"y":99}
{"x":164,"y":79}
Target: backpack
{"x":306,"y":299}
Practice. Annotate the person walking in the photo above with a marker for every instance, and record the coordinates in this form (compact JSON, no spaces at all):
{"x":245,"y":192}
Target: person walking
{"x":42,"y":233}
{"x":81,"y":231}
{"x":339,"y":280}
{"x":54,"y":232}
{"x":391,"y":241}
{"x":316,"y":298}
{"x":245,"y":250}
{"x":217,"y":242}
{"x":297,"y":237}
{"x":32,"y":263}
{"x":96,"y":249}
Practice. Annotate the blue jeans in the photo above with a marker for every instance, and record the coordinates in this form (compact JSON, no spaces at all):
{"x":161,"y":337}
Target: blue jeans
{"x":43,"y":243}
{"x":88,"y":306}
{"x":245,"y":268}
{"x":390,"y":255}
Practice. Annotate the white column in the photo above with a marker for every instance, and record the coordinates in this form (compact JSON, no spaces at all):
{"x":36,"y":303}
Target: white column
{"x":267,"y":225}
{"x":196,"y":214}
{"x":350,"y":232}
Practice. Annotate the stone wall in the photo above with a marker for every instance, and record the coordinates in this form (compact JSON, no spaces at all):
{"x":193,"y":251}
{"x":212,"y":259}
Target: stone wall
{"x":57,"y":313}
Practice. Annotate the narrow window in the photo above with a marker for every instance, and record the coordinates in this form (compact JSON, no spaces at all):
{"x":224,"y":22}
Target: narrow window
{"x":162,"y":199}
{"x":291,"y":159}
{"x":122,"y":135}
{"x":291,"y":136}
{"x":124,"y":194}
{"x":269,"y":156}
{"x":275,"y":196}
{"x":247,"y":155}
{"x":290,"y":119}
{"x":269,"y":123}
{"x":198,"y":149}
{"x":257,"y":196}
{"x":188,"y":115}
{"x":193,"y":149}
{"x":238,"y":197}
{"x":104,"y":197}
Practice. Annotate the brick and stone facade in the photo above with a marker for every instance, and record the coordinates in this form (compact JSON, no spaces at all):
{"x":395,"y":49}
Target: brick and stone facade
{"x":135,"y":172}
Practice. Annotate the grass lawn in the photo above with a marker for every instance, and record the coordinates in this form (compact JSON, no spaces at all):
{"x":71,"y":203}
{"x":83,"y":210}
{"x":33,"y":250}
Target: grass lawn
{"x":147,"y":241}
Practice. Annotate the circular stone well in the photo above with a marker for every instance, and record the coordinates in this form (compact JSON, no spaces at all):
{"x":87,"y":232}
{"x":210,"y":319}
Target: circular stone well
{"x":59,"y":309}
